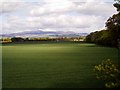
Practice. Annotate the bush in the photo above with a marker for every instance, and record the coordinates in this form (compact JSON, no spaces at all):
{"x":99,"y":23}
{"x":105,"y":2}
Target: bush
{"x":108,"y":72}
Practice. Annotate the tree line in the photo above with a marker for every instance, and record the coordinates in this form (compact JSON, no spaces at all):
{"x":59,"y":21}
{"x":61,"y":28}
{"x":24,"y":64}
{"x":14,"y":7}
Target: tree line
{"x":111,"y":35}
{"x":21,"y":39}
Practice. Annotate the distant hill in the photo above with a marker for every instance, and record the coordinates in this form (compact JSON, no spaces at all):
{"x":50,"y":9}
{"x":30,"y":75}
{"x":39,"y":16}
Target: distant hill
{"x":40,"y":33}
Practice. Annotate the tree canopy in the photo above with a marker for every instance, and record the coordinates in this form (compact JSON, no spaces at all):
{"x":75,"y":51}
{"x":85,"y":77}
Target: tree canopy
{"x":111,"y":35}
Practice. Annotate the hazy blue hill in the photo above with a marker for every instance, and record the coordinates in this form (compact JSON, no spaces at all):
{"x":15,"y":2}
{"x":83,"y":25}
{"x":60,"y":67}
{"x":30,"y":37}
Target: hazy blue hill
{"x":40,"y":33}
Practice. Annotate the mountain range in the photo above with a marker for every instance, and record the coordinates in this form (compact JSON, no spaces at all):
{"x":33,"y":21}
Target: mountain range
{"x":40,"y":33}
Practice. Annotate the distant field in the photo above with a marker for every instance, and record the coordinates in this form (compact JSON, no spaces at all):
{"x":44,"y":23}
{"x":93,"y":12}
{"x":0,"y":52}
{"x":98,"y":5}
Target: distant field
{"x":53,"y":65}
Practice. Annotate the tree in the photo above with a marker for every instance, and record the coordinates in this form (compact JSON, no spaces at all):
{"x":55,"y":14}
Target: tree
{"x":17,"y":39}
{"x":109,"y":72}
{"x":117,"y":5}
{"x":113,"y":26}
{"x":110,"y":36}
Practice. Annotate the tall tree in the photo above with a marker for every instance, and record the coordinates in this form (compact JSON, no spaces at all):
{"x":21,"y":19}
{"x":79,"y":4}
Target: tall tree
{"x":113,"y":25}
{"x":110,"y":36}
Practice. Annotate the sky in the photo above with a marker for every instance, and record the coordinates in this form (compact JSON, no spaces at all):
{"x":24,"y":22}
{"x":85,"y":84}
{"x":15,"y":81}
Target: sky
{"x":82,"y":16}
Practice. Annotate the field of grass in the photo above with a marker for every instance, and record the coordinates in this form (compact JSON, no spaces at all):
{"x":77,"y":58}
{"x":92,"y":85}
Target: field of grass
{"x":53,"y":65}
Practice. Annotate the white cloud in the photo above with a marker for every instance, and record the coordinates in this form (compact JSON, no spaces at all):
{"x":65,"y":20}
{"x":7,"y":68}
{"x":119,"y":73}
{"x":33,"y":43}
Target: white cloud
{"x":57,"y":15}
{"x":10,"y":0}
{"x":15,"y":24}
{"x":52,"y":22}
{"x":7,"y":7}
{"x":101,"y":8}
{"x":96,"y":7}
{"x":53,"y":6}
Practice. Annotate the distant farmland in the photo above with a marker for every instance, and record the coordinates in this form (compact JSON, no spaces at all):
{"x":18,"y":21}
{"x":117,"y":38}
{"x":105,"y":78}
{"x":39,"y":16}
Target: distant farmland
{"x":53,"y":65}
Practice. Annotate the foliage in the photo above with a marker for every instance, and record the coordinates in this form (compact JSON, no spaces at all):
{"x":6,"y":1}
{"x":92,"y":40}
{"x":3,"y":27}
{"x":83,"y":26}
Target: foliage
{"x":34,"y":39}
{"x":108,"y":72}
{"x":5,"y":40}
{"x":17,"y":39}
{"x":117,"y":5}
{"x":111,"y":35}
{"x":100,"y":37}
{"x":113,"y":27}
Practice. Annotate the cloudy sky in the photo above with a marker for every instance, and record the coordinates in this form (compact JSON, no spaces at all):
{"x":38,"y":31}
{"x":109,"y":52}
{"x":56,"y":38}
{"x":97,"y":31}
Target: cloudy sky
{"x":54,"y":15}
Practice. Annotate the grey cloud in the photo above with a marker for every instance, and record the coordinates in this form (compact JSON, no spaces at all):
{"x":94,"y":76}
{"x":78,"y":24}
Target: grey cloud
{"x":79,"y":17}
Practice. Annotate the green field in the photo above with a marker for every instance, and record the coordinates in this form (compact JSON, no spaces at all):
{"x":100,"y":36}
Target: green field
{"x":53,"y":65}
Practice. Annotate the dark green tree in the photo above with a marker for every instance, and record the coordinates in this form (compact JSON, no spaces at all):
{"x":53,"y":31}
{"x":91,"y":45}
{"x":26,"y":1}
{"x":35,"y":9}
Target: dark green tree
{"x":110,"y":36}
{"x":17,"y":39}
{"x":113,"y":26}
{"x":117,"y":5}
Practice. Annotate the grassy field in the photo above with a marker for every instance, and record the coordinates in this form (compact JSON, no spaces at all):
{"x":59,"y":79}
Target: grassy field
{"x":53,"y":65}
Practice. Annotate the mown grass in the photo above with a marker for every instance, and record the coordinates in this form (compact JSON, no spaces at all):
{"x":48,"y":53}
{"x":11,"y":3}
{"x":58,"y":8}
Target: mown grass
{"x":53,"y":65}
